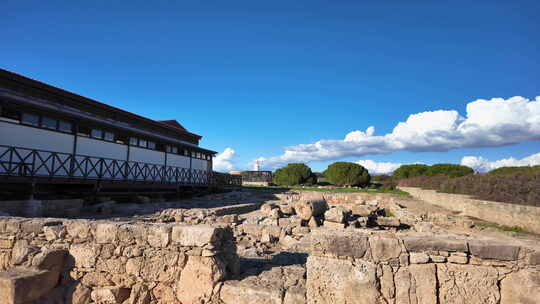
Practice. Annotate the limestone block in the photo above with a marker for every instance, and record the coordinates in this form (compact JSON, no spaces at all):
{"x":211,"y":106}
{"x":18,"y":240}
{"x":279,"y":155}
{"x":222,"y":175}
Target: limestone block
{"x":416,"y":284}
{"x":21,"y":285}
{"x":164,"y":294}
{"x":346,"y":243}
{"x":363,"y":210}
{"x":336,"y":214}
{"x":159,"y":235}
{"x":295,"y":295}
{"x":336,"y":281}
{"x":78,"y":294}
{"x":458,"y":259}
{"x":199,"y":235}
{"x":106,"y":233}
{"x":7,"y":243}
{"x":111,"y":295}
{"x":308,"y":207}
{"x":521,"y":287}
{"x":388,"y":288}
{"x":333,"y":225}
{"x":21,"y":252}
{"x":5,"y":260}
{"x":235,"y":292}
{"x":54,"y":232}
{"x":161,"y":266}
{"x":95,"y":279}
{"x":139,"y":295}
{"x":50,"y":259}
{"x":534,"y":258}
{"x":286,"y":209}
{"x":84,"y":255}
{"x":79,"y":229}
{"x":467,"y":284}
{"x":493,"y":250}
{"x":384,"y":248}
{"x":418,"y":258}
{"x":198,"y":279}
{"x":252,"y":229}
{"x":435,"y":243}
{"x":388,"y":221}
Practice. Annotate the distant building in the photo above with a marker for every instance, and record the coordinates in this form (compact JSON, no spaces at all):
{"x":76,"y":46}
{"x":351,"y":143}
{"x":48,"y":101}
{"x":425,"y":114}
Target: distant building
{"x":49,"y":134}
{"x":255,"y":178}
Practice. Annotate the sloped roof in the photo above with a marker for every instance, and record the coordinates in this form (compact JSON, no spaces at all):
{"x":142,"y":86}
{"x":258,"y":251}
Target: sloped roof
{"x":173,"y":123}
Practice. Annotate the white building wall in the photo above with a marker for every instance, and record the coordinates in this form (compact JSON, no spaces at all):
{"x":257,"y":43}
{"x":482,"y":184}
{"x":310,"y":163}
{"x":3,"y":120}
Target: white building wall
{"x":199,"y":164}
{"x":99,"y":148}
{"x":34,"y":138}
{"x":177,"y":161}
{"x":146,"y":156}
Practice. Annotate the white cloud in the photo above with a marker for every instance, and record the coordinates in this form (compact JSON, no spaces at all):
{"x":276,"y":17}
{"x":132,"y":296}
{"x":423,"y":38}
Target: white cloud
{"x":487,"y":123}
{"x":378,"y":167}
{"x":481,"y":164}
{"x":224,"y":161}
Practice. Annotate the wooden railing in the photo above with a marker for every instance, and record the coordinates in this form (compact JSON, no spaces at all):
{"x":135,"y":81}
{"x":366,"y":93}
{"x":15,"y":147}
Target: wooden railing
{"x":23,"y":162}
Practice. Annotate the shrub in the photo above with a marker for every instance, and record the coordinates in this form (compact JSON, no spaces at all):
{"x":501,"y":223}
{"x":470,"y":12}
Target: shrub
{"x":347,"y":174}
{"x":516,"y":188}
{"x":294,"y":174}
{"x":408,"y":171}
{"x":450,"y":170}
{"x":510,"y":170}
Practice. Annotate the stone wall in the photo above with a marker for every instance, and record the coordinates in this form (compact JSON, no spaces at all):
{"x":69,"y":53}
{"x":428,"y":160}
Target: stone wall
{"x":114,"y":262}
{"x":499,"y":213}
{"x":388,"y":268}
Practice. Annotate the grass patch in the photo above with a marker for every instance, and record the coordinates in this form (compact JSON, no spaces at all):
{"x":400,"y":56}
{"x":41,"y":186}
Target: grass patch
{"x":388,"y":212}
{"x":503,"y":227}
{"x":329,"y":190}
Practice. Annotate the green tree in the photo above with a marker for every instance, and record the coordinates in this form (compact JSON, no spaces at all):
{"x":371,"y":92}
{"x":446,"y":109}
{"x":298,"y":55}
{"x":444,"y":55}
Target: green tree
{"x":408,"y":171}
{"x":294,"y":174}
{"x":347,"y":174}
{"x":511,"y":170}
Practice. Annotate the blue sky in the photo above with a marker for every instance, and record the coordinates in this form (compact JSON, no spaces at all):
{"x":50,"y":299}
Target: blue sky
{"x":258,"y":77}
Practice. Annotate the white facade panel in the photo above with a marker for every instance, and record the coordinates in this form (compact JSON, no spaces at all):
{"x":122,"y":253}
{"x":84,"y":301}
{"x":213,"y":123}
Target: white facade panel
{"x":34,"y":138}
{"x":146,"y":156}
{"x":99,"y":148}
{"x":177,"y":161}
{"x":199,"y":164}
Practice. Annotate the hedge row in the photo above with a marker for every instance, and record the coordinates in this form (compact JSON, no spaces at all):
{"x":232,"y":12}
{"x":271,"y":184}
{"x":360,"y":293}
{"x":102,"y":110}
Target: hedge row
{"x":516,"y":188}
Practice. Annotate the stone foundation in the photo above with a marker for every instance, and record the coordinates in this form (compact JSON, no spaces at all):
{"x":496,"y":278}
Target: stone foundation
{"x":114,"y":262}
{"x":388,"y":268}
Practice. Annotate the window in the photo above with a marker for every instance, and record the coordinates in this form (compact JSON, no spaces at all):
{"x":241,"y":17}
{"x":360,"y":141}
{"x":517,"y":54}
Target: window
{"x":142,"y":143}
{"x":186,"y":152}
{"x":84,"y":131}
{"x":30,"y":119}
{"x":133,"y":141}
{"x":96,"y":133}
{"x":208,"y":157}
{"x":151,"y":145}
{"x":193,"y":154}
{"x":10,"y":115}
{"x":65,"y":126}
{"x":49,"y":123}
{"x":198,"y":154}
{"x":174,"y":150}
{"x":109,"y":136}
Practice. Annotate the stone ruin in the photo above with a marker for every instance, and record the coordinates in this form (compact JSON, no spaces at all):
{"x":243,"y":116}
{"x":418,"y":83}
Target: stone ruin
{"x":258,"y":247}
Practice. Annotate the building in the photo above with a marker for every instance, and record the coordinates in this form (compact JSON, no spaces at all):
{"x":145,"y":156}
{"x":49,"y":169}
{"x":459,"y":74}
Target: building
{"x":254,"y":178}
{"x":49,"y":135}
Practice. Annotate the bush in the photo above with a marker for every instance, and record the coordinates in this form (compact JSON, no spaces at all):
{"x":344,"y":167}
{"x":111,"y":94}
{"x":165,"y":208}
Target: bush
{"x":510,"y":170}
{"x":408,"y":171}
{"x":294,"y":174}
{"x":347,"y":174}
{"x":516,"y":188}
{"x":450,"y":170}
